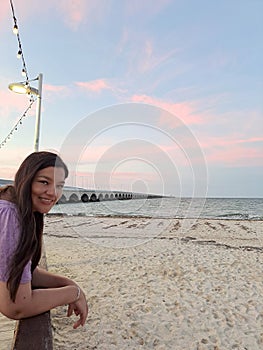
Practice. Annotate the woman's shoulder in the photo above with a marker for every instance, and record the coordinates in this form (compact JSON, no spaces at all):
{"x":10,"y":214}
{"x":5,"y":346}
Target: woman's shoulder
{"x":7,"y":200}
{"x":7,"y":197}
{"x":6,"y":205}
{"x":9,"y":215}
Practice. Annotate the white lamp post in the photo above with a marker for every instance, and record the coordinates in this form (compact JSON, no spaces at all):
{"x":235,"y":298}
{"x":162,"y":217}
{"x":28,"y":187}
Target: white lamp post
{"x":24,"y":88}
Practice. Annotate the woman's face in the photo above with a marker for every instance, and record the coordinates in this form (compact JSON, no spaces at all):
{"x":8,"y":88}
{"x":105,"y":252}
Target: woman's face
{"x":47,"y":187}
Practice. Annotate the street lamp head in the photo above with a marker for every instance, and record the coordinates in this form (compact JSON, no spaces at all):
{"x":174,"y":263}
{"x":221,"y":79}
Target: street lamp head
{"x":23,"y":88}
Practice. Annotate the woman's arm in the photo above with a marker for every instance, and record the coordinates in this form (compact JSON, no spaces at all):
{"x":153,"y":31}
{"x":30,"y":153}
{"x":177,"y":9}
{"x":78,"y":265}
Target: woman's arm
{"x":30,"y":302}
{"x":44,"y":279}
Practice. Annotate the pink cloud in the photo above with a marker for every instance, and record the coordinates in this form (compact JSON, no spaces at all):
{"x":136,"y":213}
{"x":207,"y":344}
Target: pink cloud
{"x":233,"y":151}
{"x":151,"y":62}
{"x":150,"y":59}
{"x":5,"y":11}
{"x":121,"y":180}
{"x":72,"y":12}
{"x":235,"y":156}
{"x":10,"y":160}
{"x":11,"y":102}
{"x":211,"y":142}
{"x":54,"y":88}
{"x":250,"y":140}
{"x":76,"y":12}
{"x":131,"y":161}
{"x":184,"y":111}
{"x":94,"y":86}
{"x":8,"y":173}
{"x":115,"y":152}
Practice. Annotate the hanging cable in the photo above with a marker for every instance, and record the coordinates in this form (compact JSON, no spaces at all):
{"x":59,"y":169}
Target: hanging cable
{"x":15,"y":127}
{"x":20,"y":51}
{"x":24,"y":73}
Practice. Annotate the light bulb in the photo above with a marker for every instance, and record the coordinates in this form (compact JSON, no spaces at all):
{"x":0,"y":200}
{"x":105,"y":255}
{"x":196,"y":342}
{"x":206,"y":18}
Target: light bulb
{"x":15,"y":29}
{"x":19,"y":54}
{"x":23,"y":72}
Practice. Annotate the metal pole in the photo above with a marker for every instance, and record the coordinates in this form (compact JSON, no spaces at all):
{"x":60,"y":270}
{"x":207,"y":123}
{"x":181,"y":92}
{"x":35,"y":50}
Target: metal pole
{"x":38,"y":113}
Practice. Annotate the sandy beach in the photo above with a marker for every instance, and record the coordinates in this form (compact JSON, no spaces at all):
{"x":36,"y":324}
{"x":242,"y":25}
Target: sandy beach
{"x":159,"y":283}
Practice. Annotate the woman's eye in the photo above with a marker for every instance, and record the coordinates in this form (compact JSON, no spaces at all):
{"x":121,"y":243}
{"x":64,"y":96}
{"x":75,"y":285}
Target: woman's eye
{"x":60,"y":186}
{"x":44,"y":182}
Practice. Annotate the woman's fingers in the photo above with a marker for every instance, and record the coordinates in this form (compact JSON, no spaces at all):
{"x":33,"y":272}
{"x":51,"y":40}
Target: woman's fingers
{"x":70,"y":310}
{"x":80,"y":308}
{"x":77,"y":324}
{"x":76,"y":311}
{"x":80,"y":321}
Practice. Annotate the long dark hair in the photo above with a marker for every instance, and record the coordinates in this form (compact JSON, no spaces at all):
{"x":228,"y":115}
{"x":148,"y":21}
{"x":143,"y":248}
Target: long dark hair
{"x":30,"y":244}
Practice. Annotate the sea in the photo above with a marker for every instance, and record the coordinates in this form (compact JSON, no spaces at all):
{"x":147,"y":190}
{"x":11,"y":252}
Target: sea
{"x":169,"y":207}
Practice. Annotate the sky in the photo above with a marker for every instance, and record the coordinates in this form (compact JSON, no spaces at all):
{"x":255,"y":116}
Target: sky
{"x":159,"y":96}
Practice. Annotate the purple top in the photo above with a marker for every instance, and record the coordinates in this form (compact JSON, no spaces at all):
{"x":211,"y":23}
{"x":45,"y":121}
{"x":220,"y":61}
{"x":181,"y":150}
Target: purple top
{"x":9,"y":236}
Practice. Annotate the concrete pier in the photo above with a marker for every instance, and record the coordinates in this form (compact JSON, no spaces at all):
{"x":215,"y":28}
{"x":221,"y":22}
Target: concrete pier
{"x":74,"y":195}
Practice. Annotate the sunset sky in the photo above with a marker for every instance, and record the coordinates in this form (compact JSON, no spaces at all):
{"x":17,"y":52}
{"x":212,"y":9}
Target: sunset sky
{"x":164,"y":96}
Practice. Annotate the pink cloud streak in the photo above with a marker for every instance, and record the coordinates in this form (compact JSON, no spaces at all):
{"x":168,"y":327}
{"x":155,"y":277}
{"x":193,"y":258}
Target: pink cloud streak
{"x":10,"y":102}
{"x":184,"y":111}
{"x":72,"y":12}
{"x":94,"y":86}
{"x":54,"y":88}
{"x":5,"y":11}
{"x":77,"y":12}
{"x":235,"y":156}
{"x":233,"y":151}
{"x":225,"y":142}
{"x":56,"y":91}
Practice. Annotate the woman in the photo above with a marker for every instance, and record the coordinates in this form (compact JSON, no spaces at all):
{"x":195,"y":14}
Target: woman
{"x":26,"y":289}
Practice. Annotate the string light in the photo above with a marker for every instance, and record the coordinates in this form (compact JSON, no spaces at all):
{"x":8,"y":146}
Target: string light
{"x":15,"y":29}
{"x":15,"y":127}
{"x":24,"y":73}
{"x":20,"y":51}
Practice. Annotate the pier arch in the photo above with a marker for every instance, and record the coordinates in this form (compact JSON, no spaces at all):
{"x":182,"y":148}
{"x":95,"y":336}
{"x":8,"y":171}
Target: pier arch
{"x":73,"y":198}
{"x":93,"y":198}
{"x":84,"y":198}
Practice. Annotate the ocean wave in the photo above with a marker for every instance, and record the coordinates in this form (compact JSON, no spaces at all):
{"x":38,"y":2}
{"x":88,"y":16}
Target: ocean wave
{"x":239,"y":216}
{"x":169,"y":208}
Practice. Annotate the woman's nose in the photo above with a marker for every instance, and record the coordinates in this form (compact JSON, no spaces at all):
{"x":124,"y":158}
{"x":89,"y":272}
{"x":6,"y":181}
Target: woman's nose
{"x":51,"y":190}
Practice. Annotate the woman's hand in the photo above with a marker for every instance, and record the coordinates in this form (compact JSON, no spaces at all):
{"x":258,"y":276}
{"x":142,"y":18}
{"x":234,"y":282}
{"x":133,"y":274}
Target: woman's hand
{"x":46,"y":279}
{"x":80,"y":308}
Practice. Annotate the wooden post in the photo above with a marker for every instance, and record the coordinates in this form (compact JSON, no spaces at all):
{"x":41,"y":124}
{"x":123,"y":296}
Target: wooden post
{"x":34,"y":332}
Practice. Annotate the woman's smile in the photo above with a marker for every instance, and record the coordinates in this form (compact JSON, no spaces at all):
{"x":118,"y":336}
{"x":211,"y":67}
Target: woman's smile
{"x":47,"y":188}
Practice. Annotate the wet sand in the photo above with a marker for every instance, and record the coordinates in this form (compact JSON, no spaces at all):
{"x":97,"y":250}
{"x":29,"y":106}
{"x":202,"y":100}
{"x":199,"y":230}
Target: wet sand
{"x":160,"y":283}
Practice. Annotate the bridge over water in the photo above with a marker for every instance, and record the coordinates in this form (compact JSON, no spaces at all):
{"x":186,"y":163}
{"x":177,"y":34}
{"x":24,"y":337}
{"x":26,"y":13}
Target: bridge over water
{"x":74,"y":195}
